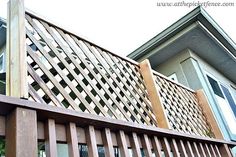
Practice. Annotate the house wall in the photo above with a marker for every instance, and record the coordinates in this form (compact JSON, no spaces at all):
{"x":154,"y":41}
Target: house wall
{"x":173,"y":65}
{"x":191,"y":71}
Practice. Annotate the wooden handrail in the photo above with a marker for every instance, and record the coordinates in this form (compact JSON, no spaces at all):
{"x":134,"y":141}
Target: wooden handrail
{"x":57,"y":125}
{"x":64,"y":116}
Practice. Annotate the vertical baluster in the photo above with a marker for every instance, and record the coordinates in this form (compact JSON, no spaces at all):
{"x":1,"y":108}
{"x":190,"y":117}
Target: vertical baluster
{"x":91,"y":142}
{"x":212,"y":150}
{"x":195,"y":150}
{"x":166,"y":147}
{"x":156,"y":146}
{"x":107,"y":142}
{"x":135,"y":145}
{"x":217,"y":150}
{"x":201,"y":150}
{"x":175,"y":148}
{"x":206,"y":148}
{"x":122,"y":143}
{"x":50,"y":138}
{"x":182,"y":149}
{"x":146,"y":146}
{"x":189,"y":149}
{"x":72,"y":140}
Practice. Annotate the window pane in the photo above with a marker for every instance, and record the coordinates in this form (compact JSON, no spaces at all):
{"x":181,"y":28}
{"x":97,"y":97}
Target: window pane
{"x":228,"y":114}
{"x":215,"y":86}
{"x":142,"y":152}
{"x":116,"y":152}
{"x":41,"y":149}
{"x":230,"y":99}
{"x":130,"y":152}
{"x":62,"y":150}
{"x":83,"y":150}
{"x":101,"y":151}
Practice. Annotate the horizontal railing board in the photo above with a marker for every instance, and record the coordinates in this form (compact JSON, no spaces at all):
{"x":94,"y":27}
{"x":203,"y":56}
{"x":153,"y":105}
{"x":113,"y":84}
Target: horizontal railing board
{"x":64,"y":116}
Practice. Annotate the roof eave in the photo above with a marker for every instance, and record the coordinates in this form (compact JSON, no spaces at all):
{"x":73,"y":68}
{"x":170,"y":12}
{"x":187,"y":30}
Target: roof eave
{"x":198,"y":14}
{"x":166,"y":34}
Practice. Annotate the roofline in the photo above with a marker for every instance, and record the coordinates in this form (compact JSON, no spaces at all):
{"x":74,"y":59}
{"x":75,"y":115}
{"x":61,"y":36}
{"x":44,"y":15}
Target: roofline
{"x":198,"y":14}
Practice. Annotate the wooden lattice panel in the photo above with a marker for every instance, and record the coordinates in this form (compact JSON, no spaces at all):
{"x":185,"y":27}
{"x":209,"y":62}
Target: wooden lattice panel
{"x":181,"y":107}
{"x":67,"y":71}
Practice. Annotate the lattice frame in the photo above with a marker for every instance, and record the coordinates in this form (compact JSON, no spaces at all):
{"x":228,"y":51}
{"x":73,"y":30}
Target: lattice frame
{"x":67,"y":71}
{"x":182,"y":109}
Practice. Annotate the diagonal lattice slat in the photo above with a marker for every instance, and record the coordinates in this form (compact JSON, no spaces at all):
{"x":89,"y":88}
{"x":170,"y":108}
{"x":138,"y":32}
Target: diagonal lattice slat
{"x":67,"y":71}
{"x":181,"y":107}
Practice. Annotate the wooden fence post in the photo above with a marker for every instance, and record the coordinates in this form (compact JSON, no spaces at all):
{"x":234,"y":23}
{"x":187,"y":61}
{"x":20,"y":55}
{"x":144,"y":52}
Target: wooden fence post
{"x":153,"y":93}
{"x":16,"y":65}
{"x":21,"y":133}
{"x":202,"y":101}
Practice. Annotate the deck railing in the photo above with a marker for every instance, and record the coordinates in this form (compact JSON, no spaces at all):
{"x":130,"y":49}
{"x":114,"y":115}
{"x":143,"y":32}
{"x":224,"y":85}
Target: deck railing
{"x":44,"y":129}
{"x":81,"y":94}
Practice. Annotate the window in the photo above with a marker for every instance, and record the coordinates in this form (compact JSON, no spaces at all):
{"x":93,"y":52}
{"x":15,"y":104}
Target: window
{"x":225,"y":103}
{"x":230,"y":99}
{"x":173,"y":77}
